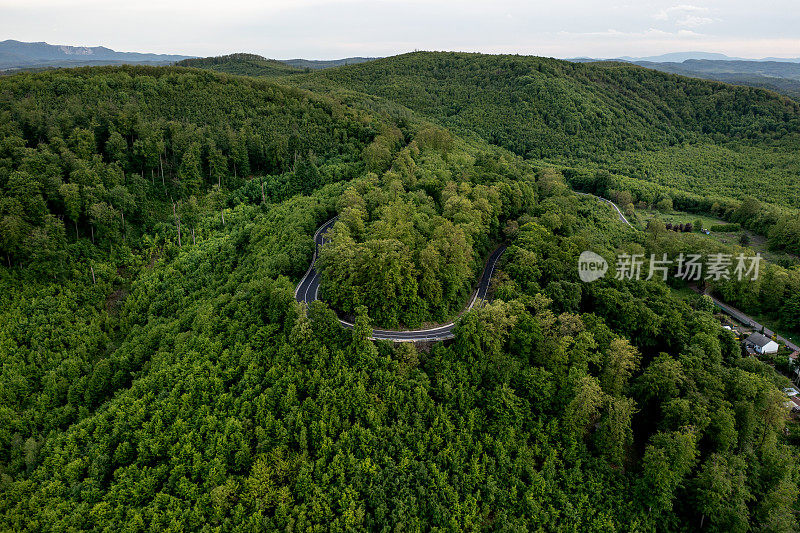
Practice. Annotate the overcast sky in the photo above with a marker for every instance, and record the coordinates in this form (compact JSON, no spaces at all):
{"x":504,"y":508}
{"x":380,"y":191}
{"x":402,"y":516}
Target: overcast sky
{"x":326,"y":29}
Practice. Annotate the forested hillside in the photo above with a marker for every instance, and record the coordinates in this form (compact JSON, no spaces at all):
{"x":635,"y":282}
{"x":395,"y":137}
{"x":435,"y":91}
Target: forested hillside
{"x":779,"y":76}
{"x":789,"y":87}
{"x":615,"y":116}
{"x":16,"y":55}
{"x":315,"y":64}
{"x":158,"y":375}
{"x":410,"y":245}
{"x":242,"y":64}
{"x":108,"y":153}
{"x":540,"y":107}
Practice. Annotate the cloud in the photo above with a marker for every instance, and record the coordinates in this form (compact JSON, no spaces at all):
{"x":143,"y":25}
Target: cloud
{"x":338,"y":28}
{"x":679,"y":11}
{"x":693,"y":21}
{"x":685,"y":15}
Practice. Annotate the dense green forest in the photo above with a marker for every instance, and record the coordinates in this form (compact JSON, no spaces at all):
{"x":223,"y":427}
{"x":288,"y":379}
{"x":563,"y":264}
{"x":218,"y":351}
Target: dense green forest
{"x":789,"y":87}
{"x":540,"y":108}
{"x":242,"y":64}
{"x":409,"y":245}
{"x":648,"y":125}
{"x":112,"y":152}
{"x":157,"y":373}
{"x":779,"y":76}
{"x":315,"y":64}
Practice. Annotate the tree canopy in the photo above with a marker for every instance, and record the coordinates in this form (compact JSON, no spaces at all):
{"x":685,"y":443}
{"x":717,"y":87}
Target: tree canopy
{"x":158,"y":374}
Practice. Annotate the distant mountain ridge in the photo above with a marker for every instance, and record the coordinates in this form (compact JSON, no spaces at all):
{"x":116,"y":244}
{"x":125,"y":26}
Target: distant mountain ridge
{"x":315,"y":64}
{"x":773,"y":69}
{"x":679,"y":57}
{"x":17,"y":54}
{"x":255,"y":65}
{"x":779,"y":75}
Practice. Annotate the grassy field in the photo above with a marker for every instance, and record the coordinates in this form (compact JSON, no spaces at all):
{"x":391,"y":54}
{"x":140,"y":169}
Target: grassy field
{"x":757,"y":243}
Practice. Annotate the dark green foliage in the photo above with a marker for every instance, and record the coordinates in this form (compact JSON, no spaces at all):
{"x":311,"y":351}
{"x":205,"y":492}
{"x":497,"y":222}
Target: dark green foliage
{"x":241,"y":64}
{"x":699,"y":137}
{"x":161,"y":386}
{"x":541,"y":107}
{"x":411,"y":245}
{"x":315,"y":64}
{"x":113,"y":149}
{"x":779,"y":76}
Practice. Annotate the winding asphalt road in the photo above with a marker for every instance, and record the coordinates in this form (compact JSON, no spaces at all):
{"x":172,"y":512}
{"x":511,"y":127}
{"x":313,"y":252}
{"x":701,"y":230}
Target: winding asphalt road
{"x":747,"y":320}
{"x":727,"y":309}
{"x":609,"y":202}
{"x":308,"y":289}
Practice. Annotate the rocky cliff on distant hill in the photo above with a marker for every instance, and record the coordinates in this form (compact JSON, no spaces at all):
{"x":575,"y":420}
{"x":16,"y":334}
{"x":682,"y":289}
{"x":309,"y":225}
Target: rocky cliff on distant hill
{"x":18,"y":54}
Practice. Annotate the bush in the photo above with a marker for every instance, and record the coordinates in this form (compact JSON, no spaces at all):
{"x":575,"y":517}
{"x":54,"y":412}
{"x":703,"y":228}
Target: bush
{"x":664,"y":205}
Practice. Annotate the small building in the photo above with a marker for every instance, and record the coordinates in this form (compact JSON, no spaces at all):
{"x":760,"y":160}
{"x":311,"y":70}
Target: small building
{"x":794,"y":365}
{"x":793,"y":404}
{"x":762,"y":344}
